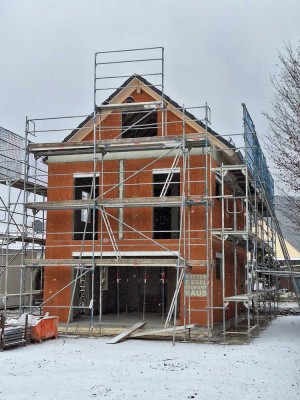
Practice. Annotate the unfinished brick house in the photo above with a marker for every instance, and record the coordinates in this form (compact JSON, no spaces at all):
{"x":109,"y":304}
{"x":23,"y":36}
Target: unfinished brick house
{"x":150,"y":213}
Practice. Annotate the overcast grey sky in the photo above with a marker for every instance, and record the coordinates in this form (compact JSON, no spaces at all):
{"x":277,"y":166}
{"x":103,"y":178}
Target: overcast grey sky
{"x":218,"y":51}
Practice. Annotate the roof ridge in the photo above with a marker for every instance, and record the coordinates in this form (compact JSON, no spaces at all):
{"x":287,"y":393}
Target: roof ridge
{"x":164,"y":97}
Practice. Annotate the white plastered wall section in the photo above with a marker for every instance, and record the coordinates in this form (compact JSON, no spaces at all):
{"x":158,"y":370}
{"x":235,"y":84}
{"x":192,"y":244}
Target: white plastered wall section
{"x":293,"y":252}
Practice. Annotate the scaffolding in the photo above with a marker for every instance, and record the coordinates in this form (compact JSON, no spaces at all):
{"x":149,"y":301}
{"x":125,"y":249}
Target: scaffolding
{"x":21,"y":234}
{"x":214,"y":260}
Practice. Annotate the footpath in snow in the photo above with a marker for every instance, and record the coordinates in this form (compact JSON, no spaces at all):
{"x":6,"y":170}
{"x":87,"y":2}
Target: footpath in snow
{"x":71,"y":369}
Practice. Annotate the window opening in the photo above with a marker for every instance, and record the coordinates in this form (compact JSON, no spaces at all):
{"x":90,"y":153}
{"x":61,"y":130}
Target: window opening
{"x":166,"y":220}
{"x":83,"y":188}
{"x":139,"y":124}
{"x":219,"y":272}
{"x":218,"y":188}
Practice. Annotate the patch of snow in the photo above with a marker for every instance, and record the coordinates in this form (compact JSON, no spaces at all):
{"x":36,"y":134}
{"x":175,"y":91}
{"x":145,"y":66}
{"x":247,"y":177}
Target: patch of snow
{"x":32,"y":320}
{"x":288,"y":304}
{"x":12,"y":322}
{"x":71,"y":369}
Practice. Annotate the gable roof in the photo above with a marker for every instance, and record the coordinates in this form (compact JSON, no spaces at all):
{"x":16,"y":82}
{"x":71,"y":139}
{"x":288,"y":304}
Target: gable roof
{"x":159,"y":93}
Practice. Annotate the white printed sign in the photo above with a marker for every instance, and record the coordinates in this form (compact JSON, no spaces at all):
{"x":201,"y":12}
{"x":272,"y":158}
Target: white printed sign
{"x":195,"y":285}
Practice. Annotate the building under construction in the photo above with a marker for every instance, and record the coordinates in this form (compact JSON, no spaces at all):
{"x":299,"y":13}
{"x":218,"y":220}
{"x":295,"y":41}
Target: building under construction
{"x":145,"y":211}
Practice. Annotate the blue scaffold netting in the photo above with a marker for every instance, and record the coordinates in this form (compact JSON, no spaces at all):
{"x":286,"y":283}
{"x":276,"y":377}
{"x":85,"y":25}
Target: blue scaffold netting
{"x":255,"y":159}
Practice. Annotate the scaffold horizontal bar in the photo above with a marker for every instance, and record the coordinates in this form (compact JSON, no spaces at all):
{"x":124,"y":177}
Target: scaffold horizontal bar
{"x":129,"y":50}
{"x":107,"y":262}
{"x":126,"y":76}
{"x":132,"y":106}
{"x":34,"y":292}
{"x":128,"y":61}
{"x":242,"y":297}
{"x":128,"y":254}
{"x":19,"y":238}
{"x":240,"y":332}
{"x":131,"y":86}
{"x":230,"y":168}
{"x":30,"y":186}
{"x":279,"y":273}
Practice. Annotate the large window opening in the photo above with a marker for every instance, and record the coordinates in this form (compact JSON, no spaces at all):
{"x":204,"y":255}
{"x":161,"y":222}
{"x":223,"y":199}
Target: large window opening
{"x":127,"y":291}
{"x":83,"y":219}
{"x":166,"y":220}
{"x":139,"y":124}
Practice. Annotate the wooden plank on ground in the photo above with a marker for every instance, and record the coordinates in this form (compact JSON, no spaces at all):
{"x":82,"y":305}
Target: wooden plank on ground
{"x":126,"y":333}
{"x":166,"y":330}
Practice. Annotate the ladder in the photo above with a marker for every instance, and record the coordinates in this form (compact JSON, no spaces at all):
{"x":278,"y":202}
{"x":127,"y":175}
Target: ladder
{"x":172,"y":306}
{"x":110,"y":232}
{"x":82,"y":288}
{"x":170,"y":174}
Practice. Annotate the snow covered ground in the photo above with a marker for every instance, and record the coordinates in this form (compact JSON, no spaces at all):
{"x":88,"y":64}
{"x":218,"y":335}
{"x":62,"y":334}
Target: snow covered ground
{"x":267,"y":368}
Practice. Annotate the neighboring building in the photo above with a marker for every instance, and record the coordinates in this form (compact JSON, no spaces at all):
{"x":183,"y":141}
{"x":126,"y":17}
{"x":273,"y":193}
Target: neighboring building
{"x":293,"y":252}
{"x":292,"y":239}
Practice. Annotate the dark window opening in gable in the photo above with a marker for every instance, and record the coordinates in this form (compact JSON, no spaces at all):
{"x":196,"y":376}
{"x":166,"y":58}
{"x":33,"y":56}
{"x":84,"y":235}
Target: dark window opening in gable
{"x":166,"y":220}
{"x":139,"y":124}
{"x":84,"y":217}
{"x":218,"y":189}
{"x":218,"y":268}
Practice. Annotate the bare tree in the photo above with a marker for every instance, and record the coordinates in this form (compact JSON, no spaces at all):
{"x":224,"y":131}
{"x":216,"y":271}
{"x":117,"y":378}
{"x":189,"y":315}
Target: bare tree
{"x":284,"y":137}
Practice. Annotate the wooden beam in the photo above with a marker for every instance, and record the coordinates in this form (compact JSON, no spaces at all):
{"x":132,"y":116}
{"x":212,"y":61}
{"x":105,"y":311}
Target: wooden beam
{"x":166,"y":330}
{"x":126,"y":333}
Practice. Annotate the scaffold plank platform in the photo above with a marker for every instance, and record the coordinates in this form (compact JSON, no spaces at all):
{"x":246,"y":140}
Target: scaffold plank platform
{"x":241,"y":298}
{"x":88,"y":262}
{"x":171,"y":201}
{"x":117,"y":145}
